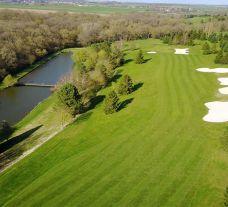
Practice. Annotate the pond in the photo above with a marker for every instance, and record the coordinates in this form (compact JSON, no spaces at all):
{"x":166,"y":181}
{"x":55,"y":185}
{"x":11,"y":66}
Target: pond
{"x":17,"y":102}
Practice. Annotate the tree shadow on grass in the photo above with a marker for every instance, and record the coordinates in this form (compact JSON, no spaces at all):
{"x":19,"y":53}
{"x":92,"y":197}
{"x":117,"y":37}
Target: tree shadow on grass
{"x":83,"y":117}
{"x":95,"y":101}
{"x":128,"y":61}
{"x":137,"y":86}
{"x":15,"y":140}
{"x":125,"y":103}
{"x":146,"y":60}
{"x":115,"y":78}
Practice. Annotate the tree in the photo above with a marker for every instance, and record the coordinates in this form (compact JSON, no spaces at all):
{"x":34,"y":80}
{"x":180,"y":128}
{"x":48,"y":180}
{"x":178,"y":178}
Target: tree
{"x":68,"y":95}
{"x":139,"y":59}
{"x":219,"y":57}
{"x":206,"y":48}
{"x":5,"y":129}
{"x":126,"y":85}
{"x":226,"y":197}
{"x":214,"y":49}
{"x":111,"y":103}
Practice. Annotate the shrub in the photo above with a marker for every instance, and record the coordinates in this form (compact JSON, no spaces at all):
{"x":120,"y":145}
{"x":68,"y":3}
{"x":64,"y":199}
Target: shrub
{"x":68,"y":95}
{"x":111,"y":103}
{"x":219,"y":57}
{"x":126,"y":85}
{"x":206,"y":48}
{"x":214,"y":49}
{"x":139,"y":59}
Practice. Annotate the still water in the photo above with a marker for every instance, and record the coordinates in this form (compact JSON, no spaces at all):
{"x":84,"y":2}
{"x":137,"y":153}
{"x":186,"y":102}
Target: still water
{"x":17,"y":102}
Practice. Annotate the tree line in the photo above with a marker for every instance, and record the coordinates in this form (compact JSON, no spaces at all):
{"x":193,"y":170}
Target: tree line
{"x":26,"y":37}
{"x":218,"y":46}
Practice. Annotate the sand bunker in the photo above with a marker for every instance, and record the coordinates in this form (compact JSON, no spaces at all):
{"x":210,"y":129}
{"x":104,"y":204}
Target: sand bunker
{"x":151,"y":52}
{"x":224,"y":90}
{"x":215,"y":70}
{"x":182,"y":51}
{"x":223,"y":81}
{"x":218,"y":112}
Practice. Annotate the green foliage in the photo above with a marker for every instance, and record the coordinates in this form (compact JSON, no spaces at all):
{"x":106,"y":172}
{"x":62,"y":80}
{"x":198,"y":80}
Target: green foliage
{"x":221,"y":58}
{"x":68,"y":95}
{"x":226,"y":197}
{"x":116,"y":56}
{"x":213,"y":38}
{"x":214,"y":48}
{"x":126,"y":85}
{"x":139,"y":59}
{"x":206,"y":48}
{"x":111,"y":103}
{"x":9,"y":81}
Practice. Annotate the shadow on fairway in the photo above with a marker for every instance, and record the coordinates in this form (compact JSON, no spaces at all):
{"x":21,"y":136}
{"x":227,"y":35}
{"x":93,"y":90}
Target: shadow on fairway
{"x":95,"y":101}
{"x":15,"y":140}
{"x":128,"y":61}
{"x":115,"y":78}
{"x":137,"y":86}
{"x":125,"y":103}
{"x":83,"y":117}
{"x":146,"y":60}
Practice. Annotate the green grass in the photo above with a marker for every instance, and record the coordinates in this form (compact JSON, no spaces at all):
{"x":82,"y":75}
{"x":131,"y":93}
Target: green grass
{"x":99,"y":9}
{"x":155,"y":152}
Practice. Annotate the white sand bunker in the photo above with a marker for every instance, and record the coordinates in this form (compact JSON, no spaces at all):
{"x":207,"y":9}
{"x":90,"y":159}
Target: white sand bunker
{"x":224,"y":90}
{"x":223,"y":81}
{"x":152,"y":52}
{"x":215,"y":70}
{"x":184,"y":51}
{"x":218,"y":112}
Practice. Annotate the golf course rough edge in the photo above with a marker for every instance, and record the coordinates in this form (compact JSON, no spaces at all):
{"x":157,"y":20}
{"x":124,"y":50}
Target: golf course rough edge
{"x":184,"y":51}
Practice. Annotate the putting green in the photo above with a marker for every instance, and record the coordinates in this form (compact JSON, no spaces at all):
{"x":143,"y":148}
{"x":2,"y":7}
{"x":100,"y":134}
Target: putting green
{"x":155,"y":152}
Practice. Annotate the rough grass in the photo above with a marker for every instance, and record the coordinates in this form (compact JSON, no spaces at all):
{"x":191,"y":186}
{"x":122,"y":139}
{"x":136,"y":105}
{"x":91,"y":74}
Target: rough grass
{"x":156,"y":151}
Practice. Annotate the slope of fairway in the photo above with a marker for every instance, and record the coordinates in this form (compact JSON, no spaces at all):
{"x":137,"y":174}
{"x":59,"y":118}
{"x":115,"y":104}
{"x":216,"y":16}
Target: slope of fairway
{"x":155,"y":152}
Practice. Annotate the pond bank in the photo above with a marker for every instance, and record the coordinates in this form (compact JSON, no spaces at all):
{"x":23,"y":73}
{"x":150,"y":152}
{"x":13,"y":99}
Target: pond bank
{"x":30,"y":69}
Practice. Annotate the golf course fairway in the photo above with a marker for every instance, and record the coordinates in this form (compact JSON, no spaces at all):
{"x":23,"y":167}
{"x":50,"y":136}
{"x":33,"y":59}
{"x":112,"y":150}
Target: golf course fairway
{"x":157,"y":151}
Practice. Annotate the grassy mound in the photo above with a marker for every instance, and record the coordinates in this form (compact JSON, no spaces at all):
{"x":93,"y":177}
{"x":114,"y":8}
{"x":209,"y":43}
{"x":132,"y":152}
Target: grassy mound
{"x":156,"y":151}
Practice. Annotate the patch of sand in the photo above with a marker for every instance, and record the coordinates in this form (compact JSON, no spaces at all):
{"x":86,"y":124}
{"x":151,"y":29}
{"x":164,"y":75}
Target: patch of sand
{"x":218,"y":112}
{"x":224,"y":90}
{"x":151,"y":52}
{"x":223,"y":81}
{"x":182,"y":51}
{"x":215,"y":70}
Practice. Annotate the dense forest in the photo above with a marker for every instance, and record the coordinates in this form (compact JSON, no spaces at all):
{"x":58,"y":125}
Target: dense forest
{"x":26,"y":37}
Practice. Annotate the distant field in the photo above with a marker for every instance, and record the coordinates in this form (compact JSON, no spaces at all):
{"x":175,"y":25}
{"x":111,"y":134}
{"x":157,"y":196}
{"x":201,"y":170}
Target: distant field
{"x":70,"y":8}
{"x":155,"y":152}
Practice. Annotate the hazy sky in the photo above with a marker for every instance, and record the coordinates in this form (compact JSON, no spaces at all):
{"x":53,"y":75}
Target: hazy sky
{"x":211,"y":2}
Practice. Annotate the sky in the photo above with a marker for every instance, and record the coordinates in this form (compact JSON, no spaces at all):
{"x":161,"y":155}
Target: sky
{"x":209,"y":2}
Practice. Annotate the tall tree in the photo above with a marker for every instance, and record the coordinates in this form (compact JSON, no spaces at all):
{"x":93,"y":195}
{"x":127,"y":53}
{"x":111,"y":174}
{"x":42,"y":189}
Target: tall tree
{"x":111,"y":103}
{"x":139,"y":59}
{"x":68,"y":95}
